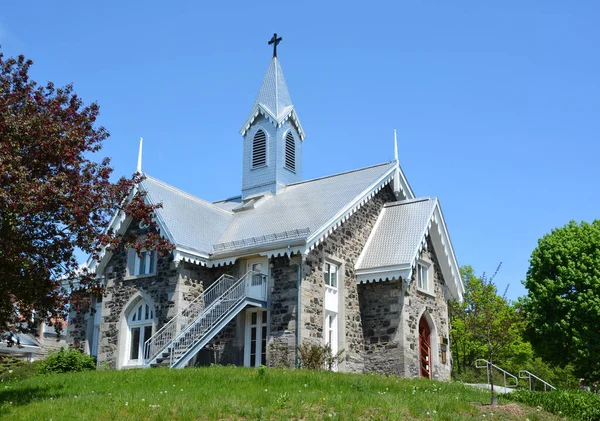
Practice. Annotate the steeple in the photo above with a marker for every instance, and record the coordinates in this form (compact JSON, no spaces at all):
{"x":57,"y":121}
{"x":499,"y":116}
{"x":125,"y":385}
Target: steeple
{"x":273,"y":100}
{"x":272,"y":135}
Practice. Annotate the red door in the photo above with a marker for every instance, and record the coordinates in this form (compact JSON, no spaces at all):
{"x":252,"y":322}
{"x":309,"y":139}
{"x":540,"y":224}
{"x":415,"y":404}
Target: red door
{"x":425,"y":348}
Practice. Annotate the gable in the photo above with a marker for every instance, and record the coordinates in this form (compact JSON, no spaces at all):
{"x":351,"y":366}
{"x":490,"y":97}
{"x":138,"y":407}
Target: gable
{"x":400,"y":234}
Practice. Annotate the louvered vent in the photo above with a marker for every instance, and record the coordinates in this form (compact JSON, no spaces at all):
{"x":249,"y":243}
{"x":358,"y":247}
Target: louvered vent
{"x":290,"y":152}
{"x":259,"y":149}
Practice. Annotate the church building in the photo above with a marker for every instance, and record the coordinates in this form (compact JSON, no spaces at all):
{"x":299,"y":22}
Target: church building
{"x":353,"y":261}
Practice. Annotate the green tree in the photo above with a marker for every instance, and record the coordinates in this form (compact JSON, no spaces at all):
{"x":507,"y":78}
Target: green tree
{"x":485,"y":324}
{"x":562,"y":306}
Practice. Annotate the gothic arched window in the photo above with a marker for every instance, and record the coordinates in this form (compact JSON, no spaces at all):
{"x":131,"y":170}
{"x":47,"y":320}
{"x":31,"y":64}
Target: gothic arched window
{"x":139,"y":323}
{"x":290,"y":152}
{"x":259,"y":149}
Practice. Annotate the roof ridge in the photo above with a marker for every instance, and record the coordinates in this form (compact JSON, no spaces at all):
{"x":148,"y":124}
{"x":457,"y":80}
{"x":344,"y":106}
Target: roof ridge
{"x":338,"y":174}
{"x":409,"y":201}
{"x":186,"y":194}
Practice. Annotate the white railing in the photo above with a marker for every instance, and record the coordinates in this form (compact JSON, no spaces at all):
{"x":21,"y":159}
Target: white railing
{"x":190,"y":325}
{"x":165,"y":335}
{"x":524,"y":374}
{"x":481,"y":363}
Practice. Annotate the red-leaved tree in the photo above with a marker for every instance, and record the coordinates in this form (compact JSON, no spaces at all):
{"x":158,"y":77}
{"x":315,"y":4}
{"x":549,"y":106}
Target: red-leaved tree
{"x":53,"y":198}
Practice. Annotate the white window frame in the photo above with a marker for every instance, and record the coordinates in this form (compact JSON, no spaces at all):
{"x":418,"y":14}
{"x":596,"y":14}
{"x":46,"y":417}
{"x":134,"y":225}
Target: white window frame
{"x":327,"y":274}
{"x":260,"y":326}
{"x":331,"y":331}
{"x":146,"y":320}
{"x":143,"y":264}
{"x":424,"y":270}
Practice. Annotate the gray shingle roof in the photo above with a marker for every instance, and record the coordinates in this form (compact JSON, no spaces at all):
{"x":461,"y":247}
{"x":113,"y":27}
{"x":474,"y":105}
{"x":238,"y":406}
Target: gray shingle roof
{"x":274,"y":93}
{"x":398,"y":234}
{"x":297,"y":211}
{"x":191,"y":222}
{"x":305,"y":205}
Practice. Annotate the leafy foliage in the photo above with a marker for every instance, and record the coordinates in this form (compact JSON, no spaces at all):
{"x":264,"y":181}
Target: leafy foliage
{"x":515,"y":355}
{"x":66,"y":361}
{"x":488,"y":322}
{"x":12,"y":368}
{"x":580,"y":405}
{"x":317,"y":357}
{"x":53,"y":198}
{"x":562,"y":305}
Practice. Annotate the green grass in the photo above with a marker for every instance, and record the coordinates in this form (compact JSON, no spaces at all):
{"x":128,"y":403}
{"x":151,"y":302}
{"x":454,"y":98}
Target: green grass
{"x":241,"y":393}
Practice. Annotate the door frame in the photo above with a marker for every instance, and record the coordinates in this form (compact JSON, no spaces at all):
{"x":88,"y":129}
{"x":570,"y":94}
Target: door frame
{"x":261,"y":322}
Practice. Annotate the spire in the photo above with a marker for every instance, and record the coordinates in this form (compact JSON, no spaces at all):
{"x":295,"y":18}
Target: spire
{"x":273,"y":93}
{"x":395,"y":147}
{"x":139,"y":164}
{"x":273,"y":99}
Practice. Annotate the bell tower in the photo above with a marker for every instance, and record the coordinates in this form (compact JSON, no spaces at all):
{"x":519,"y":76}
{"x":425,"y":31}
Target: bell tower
{"x":272,"y":135}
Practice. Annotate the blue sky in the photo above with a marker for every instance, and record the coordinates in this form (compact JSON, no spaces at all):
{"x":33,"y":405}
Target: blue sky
{"x":496,"y":104}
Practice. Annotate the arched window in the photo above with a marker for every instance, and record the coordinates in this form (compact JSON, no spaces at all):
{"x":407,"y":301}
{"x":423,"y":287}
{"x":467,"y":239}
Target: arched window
{"x":290,"y":152}
{"x":139,"y":323}
{"x":259,"y":149}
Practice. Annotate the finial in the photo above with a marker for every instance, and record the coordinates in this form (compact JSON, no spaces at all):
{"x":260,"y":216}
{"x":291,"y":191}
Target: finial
{"x":395,"y":146}
{"x":275,"y":41}
{"x":139,"y":165}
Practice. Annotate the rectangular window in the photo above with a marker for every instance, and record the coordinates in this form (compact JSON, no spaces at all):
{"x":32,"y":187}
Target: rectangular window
{"x":331,"y":330}
{"x":331,"y":275}
{"x":423,"y":277}
{"x":142,"y":264}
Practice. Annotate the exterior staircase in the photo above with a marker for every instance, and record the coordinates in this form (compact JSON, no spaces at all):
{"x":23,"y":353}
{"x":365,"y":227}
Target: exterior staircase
{"x":176,"y":343}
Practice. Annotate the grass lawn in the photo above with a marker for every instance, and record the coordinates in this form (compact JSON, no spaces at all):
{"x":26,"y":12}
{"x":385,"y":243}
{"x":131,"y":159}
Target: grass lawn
{"x":233,"y":393}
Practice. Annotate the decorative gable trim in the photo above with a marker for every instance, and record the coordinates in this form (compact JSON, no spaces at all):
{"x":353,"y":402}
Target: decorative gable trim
{"x":280,"y":251}
{"x":339,"y":218}
{"x":119,"y":224}
{"x":437,"y":231}
{"x":289,"y":113}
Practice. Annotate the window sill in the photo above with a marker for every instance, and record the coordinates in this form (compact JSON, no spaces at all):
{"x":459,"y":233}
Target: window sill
{"x":426,"y":292}
{"x":130,"y":277}
{"x":289,"y":169}
{"x":258,"y":167}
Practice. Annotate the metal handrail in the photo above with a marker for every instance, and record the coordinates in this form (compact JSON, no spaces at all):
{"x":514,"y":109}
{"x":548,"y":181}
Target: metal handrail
{"x":165,"y":335}
{"x":217,"y":312}
{"x":505,"y":373}
{"x":528,"y":375}
{"x":204,"y":312}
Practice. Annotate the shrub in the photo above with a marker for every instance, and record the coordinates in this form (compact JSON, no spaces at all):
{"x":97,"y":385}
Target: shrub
{"x":317,"y":357}
{"x":12,"y":368}
{"x":66,"y":361}
{"x":571,"y":403}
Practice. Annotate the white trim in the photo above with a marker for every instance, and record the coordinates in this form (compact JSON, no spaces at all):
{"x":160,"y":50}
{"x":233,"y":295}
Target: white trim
{"x":260,"y":323}
{"x":341,"y":216}
{"x":443,"y":250}
{"x":278,"y":252}
{"x":430,"y":287}
{"x":387,"y":273}
{"x":260,"y":109}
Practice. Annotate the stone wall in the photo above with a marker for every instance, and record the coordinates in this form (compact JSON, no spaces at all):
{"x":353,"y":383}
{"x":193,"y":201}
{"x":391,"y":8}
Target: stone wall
{"x":381,"y":306}
{"x":159,"y":289}
{"x":281,"y":350}
{"x":170,"y":289}
{"x":343,"y":245}
{"x":436,"y":306}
